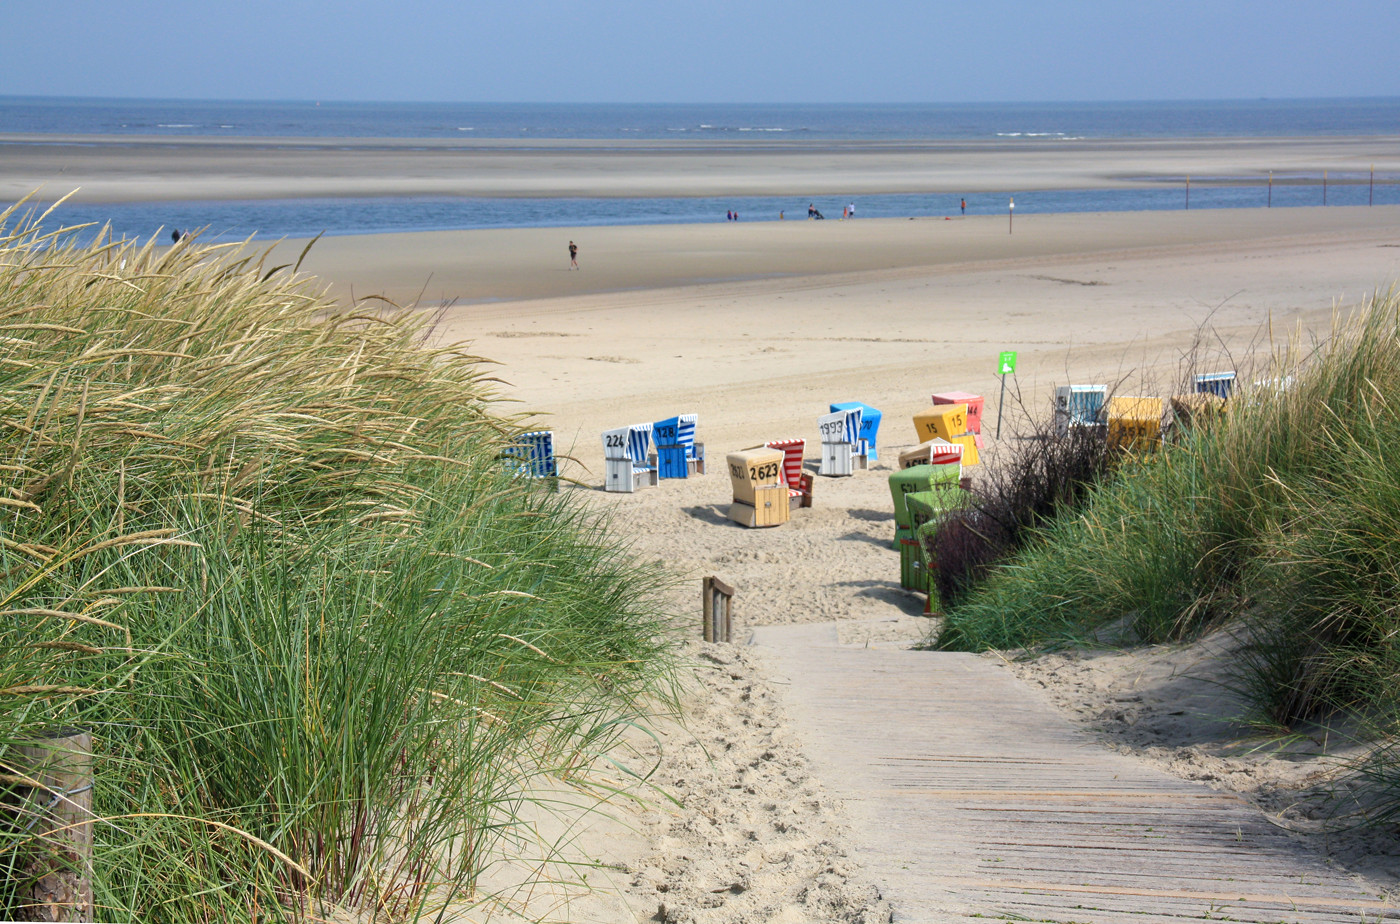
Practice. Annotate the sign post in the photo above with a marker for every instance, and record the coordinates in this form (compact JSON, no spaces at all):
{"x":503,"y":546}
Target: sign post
{"x":1006,"y":365}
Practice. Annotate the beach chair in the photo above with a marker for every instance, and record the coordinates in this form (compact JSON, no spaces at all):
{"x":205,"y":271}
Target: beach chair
{"x":925,"y":508}
{"x":532,"y":456}
{"x":948,"y":422}
{"x":934,"y":452}
{"x":760,"y":496}
{"x":869,"y":426}
{"x":1079,"y":406}
{"x":974,"y":406}
{"x":1195,"y":410}
{"x":625,"y":459}
{"x":928,"y":512}
{"x":1219,"y":384}
{"x":1134,"y":423}
{"x":841,"y":440}
{"x":677,"y":453}
{"x":918,"y":478}
{"x":799,"y":483}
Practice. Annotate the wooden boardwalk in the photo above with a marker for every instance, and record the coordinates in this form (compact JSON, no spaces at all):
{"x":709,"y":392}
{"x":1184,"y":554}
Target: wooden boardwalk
{"x":971,"y":798}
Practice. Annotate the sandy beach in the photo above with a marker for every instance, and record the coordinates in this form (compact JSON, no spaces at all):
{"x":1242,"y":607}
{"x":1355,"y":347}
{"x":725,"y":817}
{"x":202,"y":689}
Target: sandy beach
{"x":140,"y":168}
{"x":756,"y":327}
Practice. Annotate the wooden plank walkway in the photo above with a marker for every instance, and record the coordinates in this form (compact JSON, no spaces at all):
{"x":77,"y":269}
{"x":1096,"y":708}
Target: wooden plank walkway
{"x":972,"y":798}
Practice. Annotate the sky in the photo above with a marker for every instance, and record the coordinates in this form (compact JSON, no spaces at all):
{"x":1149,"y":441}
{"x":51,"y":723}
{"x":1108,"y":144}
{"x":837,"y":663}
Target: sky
{"x":736,"y":51}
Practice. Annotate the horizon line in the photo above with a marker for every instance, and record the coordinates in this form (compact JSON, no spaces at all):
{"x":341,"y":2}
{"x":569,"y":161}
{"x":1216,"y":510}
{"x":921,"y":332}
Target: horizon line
{"x":444,"y":102}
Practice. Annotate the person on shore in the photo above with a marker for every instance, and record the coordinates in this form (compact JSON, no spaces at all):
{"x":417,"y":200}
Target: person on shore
{"x":962,"y":204}
{"x":811,"y":211}
{"x":851,"y":210}
{"x":573,"y":255}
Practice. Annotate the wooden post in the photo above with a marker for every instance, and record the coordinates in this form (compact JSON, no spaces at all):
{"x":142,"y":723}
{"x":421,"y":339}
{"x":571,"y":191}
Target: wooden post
{"x":1271,"y":189}
{"x":715,"y":605}
{"x":55,"y":875}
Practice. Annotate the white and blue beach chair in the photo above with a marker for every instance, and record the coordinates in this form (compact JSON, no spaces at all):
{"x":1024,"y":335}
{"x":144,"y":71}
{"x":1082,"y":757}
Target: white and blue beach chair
{"x":1079,"y":406}
{"x":532,"y":455}
{"x":869,"y":426}
{"x":625,"y":453}
{"x":1219,"y":384}
{"x":841,"y":442}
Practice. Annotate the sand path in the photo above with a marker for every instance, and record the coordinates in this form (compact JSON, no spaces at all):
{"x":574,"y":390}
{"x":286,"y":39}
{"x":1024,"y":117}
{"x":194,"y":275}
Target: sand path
{"x":987,"y":802}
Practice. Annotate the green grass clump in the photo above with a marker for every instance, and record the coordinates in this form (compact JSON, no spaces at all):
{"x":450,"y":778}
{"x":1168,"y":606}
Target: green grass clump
{"x":267,"y":552}
{"x":1280,"y":518}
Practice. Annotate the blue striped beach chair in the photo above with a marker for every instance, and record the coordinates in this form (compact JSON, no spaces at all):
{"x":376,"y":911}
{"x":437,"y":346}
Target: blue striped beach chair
{"x":677,"y":453}
{"x":625,"y":453}
{"x":532,"y":455}
{"x":869,"y":426}
{"x":1219,"y":384}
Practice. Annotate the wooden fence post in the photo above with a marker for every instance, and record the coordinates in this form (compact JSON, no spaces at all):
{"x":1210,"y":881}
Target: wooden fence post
{"x":55,"y":875}
{"x":715,"y":608}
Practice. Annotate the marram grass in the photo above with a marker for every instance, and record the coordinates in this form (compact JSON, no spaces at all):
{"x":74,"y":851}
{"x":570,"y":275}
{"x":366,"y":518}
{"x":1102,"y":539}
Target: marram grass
{"x":1279,"y":518}
{"x":266,"y":551}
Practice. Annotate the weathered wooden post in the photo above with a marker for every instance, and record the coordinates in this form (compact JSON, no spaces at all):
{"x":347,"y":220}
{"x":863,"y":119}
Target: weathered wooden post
{"x":715,"y":604}
{"x":55,"y":878}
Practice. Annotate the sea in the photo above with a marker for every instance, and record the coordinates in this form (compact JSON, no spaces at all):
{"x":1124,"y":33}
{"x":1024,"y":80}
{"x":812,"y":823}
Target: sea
{"x":734,"y":124}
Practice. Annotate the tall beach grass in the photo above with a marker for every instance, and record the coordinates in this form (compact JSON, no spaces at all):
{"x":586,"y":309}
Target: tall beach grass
{"x":1279,"y":518}
{"x":267,"y":552}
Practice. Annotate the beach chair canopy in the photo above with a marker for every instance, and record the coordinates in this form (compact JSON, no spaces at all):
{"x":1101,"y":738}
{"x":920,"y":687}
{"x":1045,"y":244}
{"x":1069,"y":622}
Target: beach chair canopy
{"x":793,"y":450}
{"x":840,"y":426}
{"x":632,"y":442}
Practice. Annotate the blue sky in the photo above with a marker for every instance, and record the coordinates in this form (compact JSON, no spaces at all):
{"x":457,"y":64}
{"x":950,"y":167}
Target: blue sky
{"x":700,"y":51}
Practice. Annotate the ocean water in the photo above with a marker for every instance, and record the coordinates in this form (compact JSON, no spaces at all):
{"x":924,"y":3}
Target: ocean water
{"x":970,"y":121}
{"x":735,"y":124}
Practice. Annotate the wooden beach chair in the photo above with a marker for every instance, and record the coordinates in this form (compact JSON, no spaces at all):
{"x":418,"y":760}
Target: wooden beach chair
{"x":799,"y":483}
{"x":760,"y":496}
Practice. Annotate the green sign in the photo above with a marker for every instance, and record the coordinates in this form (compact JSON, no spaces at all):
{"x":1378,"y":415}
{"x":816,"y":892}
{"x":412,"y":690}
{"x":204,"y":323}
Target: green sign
{"x":1006,"y":362}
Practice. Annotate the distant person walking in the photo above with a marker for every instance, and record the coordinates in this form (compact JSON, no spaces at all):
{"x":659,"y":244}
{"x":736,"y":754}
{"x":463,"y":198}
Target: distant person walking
{"x":573,"y":255}
{"x":851,"y":210}
{"x":962,"y":204}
